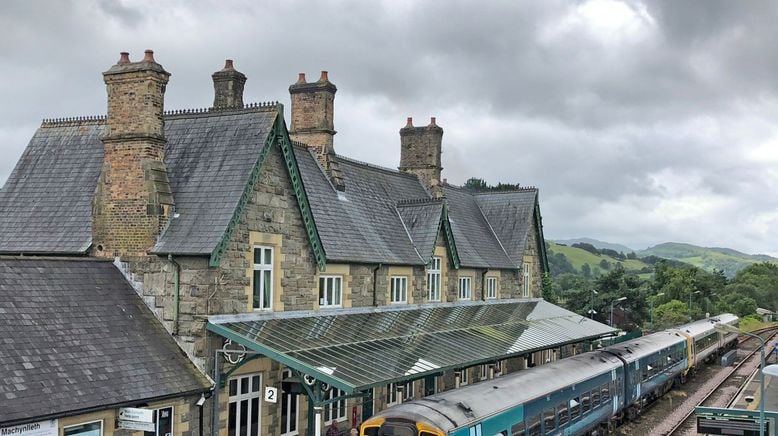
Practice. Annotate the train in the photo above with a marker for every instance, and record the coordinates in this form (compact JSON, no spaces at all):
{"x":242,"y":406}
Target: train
{"x":579,"y":395}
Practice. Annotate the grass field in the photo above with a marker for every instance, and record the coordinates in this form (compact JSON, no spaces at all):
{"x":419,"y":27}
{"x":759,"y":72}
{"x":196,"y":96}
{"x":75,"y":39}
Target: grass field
{"x":578,"y":257}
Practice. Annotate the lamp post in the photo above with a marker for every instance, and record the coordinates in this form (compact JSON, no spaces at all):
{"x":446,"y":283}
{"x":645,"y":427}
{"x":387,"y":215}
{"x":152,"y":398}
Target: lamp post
{"x":707,"y":304}
{"x":690,"y":303}
{"x":612,"y":302}
{"x":652,"y":307}
{"x":591,"y":306}
{"x":726,"y":328}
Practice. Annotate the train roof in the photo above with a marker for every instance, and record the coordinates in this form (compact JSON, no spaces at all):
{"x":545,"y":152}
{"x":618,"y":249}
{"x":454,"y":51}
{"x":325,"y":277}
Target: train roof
{"x":704,"y":326}
{"x":453,"y":408}
{"x":645,"y":345}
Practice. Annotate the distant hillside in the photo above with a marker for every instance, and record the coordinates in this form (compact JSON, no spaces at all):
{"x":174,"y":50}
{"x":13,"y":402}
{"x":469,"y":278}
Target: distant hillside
{"x":567,"y":259}
{"x":726,"y":259}
{"x":597,"y":243}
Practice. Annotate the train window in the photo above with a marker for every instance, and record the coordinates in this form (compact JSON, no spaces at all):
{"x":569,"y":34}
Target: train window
{"x":595,"y":397}
{"x":549,"y":420}
{"x":517,"y":429}
{"x":575,"y":407}
{"x":586,"y":403}
{"x":426,"y":433}
{"x":533,"y":426}
{"x":605,"y":393}
{"x":561,"y":411}
{"x":370,"y":431}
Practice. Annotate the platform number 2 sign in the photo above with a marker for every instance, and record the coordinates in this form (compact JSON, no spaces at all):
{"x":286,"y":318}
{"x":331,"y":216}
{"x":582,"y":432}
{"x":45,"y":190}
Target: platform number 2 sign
{"x":271,"y":394}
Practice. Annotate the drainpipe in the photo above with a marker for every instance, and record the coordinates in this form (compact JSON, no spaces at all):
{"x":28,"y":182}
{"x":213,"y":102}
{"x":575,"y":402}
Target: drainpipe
{"x":176,"y":291}
{"x":483,"y":285}
{"x":375,"y":284}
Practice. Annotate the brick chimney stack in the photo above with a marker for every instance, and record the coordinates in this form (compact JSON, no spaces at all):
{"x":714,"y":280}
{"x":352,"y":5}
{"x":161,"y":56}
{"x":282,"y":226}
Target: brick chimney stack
{"x":228,"y":86}
{"x":312,"y":121}
{"x":133,"y":198}
{"x":420,"y":149}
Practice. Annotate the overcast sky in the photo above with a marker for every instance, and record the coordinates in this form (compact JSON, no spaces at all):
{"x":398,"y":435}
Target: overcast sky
{"x":641,"y":123}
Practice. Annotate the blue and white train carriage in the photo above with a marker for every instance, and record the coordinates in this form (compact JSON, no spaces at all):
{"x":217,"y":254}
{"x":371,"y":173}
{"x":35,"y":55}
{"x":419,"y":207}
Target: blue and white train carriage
{"x":573,"y":396}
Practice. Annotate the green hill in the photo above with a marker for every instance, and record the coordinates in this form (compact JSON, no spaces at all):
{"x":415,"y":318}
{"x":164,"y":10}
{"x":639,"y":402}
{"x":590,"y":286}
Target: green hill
{"x":726,"y":259}
{"x":597,"y":243}
{"x":598,"y":264}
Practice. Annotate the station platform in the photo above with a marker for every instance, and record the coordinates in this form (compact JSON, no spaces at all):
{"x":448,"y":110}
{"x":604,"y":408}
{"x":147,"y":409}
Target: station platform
{"x":770,"y":389}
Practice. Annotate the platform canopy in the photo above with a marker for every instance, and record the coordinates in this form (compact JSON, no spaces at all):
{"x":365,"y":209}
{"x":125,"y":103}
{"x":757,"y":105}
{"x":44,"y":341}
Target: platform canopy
{"x":356,"y":349}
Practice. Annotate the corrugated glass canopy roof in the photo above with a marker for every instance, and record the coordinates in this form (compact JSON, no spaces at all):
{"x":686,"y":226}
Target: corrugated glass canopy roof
{"x":355,"y":349}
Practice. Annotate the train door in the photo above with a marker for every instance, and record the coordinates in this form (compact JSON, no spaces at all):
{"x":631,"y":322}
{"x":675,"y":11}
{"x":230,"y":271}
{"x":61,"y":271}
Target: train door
{"x":476,"y":430}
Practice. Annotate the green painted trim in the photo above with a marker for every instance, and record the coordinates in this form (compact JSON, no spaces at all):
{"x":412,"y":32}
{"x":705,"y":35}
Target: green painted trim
{"x":540,"y":238}
{"x":282,"y":136}
{"x":226,"y":375}
{"x":248,"y":190}
{"x":279,"y":357}
{"x":452,"y":247}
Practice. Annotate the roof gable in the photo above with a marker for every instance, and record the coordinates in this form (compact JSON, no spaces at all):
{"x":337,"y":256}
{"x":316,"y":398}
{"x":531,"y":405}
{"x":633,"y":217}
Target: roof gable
{"x":476,"y":242}
{"x":422,"y":219}
{"x":117,"y":352}
{"x":361,"y":224}
{"x":510,"y":214}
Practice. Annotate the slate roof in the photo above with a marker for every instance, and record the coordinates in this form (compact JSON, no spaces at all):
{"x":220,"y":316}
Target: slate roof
{"x":510,"y":215}
{"x":383,"y":216}
{"x":46,"y":204}
{"x":361,"y":224}
{"x":422,"y":220}
{"x":76,"y":336}
{"x":209,"y":160}
{"x":476,"y":241}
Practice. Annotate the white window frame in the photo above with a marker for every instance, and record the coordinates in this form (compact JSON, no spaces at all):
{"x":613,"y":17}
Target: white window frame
{"x":289,"y":399}
{"x":398,"y":289}
{"x":526,"y":280}
{"x":433,"y":279}
{"x":483,"y":370}
{"x":262,"y":266}
{"x":391,"y":396}
{"x":238,"y":398}
{"x":465,"y":288}
{"x":323,"y":297}
{"x":498,"y":368}
{"x":491,"y":288}
{"x":102,"y":426}
{"x":156,"y":421}
{"x":331,"y":410}
{"x":409,"y":391}
{"x":464,"y":377}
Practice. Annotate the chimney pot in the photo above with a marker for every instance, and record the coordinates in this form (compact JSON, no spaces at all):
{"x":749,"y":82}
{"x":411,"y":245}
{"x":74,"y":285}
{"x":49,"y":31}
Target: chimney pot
{"x":432,"y":121}
{"x":149,"y":57}
{"x":228,"y":65}
{"x":409,"y":123}
{"x":301,"y":78}
{"x":124,"y":58}
{"x":324,"y":77}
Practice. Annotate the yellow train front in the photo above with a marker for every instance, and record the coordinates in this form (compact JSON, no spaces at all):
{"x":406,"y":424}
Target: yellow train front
{"x":394,"y":426}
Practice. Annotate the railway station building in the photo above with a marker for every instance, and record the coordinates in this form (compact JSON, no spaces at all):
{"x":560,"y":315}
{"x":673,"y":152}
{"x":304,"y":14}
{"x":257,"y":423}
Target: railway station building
{"x":304,"y":287}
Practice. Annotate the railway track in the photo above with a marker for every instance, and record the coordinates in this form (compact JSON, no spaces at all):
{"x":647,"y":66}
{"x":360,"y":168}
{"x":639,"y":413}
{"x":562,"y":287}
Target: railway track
{"x":721,"y":390}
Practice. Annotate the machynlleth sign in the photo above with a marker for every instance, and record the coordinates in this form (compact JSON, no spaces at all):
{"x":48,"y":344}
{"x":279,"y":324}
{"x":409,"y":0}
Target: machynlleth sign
{"x":41,"y":428}
{"x":133,"y":414}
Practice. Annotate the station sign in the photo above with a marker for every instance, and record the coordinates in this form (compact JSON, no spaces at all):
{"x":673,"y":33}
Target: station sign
{"x":131,"y":418}
{"x":136,"y":425}
{"x":41,"y":428}
{"x":135,"y":414}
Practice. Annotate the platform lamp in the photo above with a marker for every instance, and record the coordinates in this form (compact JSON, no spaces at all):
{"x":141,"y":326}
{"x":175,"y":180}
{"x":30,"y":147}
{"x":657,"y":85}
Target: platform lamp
{"x":726,"y":328}
{"x":690,"y":304}
{"x":618,"y":300}
{"x":652,"y":307}
{"x":591,"y":307}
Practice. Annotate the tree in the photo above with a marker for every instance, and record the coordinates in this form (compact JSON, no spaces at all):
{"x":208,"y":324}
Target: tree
{"x":476,"y":184}
{"x":671,"y":314}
